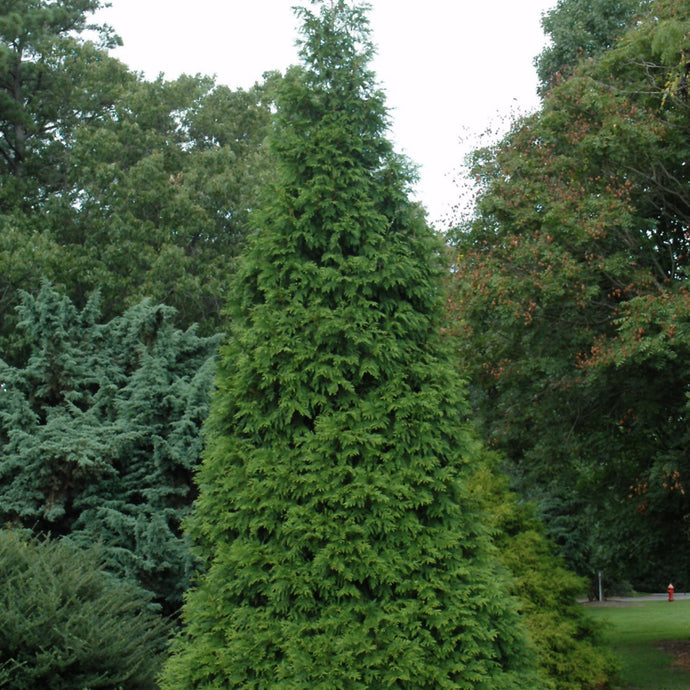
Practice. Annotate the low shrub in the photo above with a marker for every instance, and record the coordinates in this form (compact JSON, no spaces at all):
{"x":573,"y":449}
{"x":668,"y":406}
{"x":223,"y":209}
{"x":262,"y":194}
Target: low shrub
{"x":68,"y":625}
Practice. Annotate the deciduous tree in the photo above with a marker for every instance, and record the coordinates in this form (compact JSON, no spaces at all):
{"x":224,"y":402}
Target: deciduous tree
{"x":160,"y":195}
{"x":579,"y":30}
{"x":108,"y":181}
{"x":51,"y":80}
{"x":572,"y":298}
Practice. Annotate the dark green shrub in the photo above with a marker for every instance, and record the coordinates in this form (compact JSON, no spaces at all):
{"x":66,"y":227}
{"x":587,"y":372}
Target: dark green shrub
{"x":67,"y":625}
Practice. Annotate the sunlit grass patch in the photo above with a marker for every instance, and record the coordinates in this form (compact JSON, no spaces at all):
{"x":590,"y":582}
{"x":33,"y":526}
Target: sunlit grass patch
{"x":641,"y":634}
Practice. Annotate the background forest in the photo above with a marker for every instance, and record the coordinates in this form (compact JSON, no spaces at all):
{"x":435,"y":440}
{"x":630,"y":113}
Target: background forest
{"x":125,"y":208}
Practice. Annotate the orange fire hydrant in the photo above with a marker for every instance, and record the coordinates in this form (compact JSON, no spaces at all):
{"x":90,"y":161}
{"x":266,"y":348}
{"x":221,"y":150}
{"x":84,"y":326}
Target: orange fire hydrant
{"x":670,"y":591}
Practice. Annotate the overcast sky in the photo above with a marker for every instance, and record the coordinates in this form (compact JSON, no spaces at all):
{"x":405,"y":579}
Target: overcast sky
{"x":450,"y":68}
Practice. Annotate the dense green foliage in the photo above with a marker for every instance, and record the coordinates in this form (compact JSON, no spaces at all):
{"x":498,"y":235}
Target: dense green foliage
{"x":67,"y":625}
{"x":99,"y":433}
{"x":109,"y":182}
{"x":571,"y":297}
{"x":134,"y":189}
{"x":341,"y":545}
{"x":50,"y":82}
{"x":570,"y":650}
{"x":342,"y":542}
{"x":578,"y":30}
{"x":160,"y":194}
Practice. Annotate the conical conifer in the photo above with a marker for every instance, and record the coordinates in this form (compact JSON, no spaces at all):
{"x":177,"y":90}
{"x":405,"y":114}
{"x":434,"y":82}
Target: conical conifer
{"x":340,"y":545}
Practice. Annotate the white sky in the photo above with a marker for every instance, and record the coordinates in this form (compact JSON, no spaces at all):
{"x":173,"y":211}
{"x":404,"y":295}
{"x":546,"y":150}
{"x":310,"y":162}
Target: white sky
{"x":450,"y":68}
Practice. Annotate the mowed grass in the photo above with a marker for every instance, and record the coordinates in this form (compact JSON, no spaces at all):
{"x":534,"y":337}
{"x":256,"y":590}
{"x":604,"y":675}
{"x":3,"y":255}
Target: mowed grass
{"x":634,"y":632}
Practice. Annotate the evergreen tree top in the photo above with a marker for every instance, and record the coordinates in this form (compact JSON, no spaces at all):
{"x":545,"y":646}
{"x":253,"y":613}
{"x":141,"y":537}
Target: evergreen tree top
{"x":336,"y":39}
{"x":332,"y":103}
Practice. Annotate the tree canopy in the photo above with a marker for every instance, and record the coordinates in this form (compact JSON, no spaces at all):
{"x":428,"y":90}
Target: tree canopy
{"x":572,"y":302}
{"x":580,"y":30}
{"x":107,"y":181}
{"x":51,"y":81}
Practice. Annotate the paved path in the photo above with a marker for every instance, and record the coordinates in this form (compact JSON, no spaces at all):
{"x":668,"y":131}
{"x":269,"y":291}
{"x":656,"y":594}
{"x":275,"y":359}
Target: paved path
{"x":621,"y":601}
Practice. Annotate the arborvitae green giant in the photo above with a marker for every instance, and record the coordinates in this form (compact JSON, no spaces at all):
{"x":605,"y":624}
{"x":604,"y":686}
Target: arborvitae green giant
{"x":341,"y":549}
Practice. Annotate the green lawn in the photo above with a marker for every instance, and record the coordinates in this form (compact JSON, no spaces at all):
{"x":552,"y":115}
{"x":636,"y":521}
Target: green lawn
{"x":633,"y":632}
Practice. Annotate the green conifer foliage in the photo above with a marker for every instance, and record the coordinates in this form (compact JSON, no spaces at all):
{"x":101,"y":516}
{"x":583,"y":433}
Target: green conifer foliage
{"x":100,"y":432}
{"x":569,"y":644}
{"x":341,"y":546}
{"x":67,"y":625}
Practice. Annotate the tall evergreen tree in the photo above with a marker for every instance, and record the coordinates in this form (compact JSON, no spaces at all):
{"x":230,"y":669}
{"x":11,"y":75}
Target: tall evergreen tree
{"x":342,"y":548}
